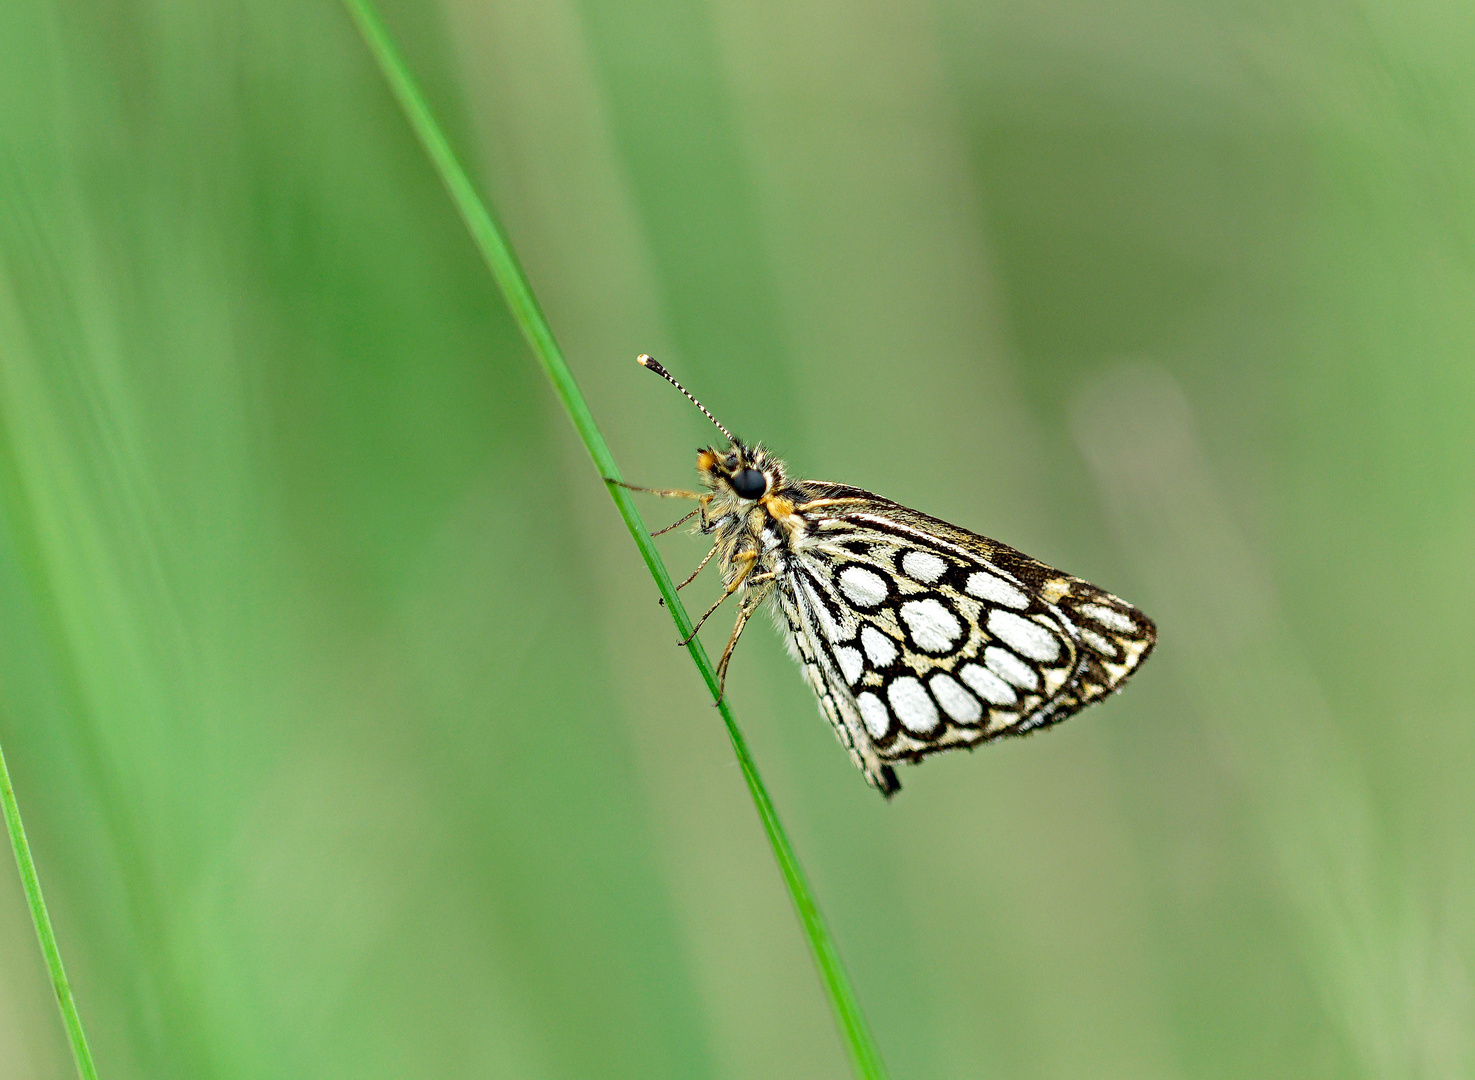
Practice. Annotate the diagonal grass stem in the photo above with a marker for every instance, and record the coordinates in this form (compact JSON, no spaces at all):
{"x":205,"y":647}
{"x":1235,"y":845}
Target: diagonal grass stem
{"x":41,"y":919}
{"x":502,"y":261}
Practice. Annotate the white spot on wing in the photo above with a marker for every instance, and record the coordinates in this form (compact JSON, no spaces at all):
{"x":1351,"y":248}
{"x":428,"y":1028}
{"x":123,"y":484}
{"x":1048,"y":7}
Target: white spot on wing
{"x":1097,"y":642}
{"x":1004,"y":663}
{"x":1109,"y":617}
{"x":933,"y":626}
{"x":956,"y":702}
{"x":862,"y":586}
{"x":880,"y":648}
{"x":1023,"y":635}
{"x":996,"y":590}
{"x":851,"y":664}
{"x":913,"y":706}
{"x":923,"y":566}
{"x":989,"y":686}
{"x":873,"y":712}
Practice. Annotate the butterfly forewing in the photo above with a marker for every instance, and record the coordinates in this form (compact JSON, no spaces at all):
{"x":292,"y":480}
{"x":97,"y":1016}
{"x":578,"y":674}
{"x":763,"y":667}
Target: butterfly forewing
{"x":921,"y":637}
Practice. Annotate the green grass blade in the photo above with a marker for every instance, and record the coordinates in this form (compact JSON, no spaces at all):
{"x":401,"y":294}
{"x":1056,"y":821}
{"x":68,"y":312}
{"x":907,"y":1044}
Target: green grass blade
{"x":502,"y":262}
{"x":42,"y":921}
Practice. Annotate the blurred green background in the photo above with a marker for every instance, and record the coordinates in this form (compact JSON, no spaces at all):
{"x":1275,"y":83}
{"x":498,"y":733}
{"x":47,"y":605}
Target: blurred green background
{"x":351,"y":739}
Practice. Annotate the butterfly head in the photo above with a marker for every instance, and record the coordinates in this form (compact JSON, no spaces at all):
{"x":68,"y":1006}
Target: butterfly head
{"x":744,"y":473}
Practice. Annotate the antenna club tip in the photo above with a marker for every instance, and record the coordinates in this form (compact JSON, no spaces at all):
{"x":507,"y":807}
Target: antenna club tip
{"x":645,"y":360}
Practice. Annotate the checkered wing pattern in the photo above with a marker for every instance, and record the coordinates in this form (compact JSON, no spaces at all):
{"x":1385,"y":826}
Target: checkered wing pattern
{"x":918,"y":636}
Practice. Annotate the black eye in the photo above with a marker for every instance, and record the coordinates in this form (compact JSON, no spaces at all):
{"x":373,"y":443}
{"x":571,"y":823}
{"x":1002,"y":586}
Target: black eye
{"x":749,"y":484}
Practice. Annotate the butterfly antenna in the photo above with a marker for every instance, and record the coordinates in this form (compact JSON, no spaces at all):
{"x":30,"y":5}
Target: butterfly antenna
{"x":650,"y":362}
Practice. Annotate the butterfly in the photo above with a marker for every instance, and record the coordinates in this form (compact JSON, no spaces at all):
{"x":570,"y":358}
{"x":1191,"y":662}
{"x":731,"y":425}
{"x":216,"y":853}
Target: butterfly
{"x":916,"y":636}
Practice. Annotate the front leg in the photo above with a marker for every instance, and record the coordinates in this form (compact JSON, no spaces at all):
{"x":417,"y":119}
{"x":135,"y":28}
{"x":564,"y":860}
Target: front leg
{"x":667,"y":493}
{"x":704,"y":498}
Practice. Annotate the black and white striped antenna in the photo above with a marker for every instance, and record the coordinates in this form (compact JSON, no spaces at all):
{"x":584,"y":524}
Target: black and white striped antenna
{"x":650,"y":362}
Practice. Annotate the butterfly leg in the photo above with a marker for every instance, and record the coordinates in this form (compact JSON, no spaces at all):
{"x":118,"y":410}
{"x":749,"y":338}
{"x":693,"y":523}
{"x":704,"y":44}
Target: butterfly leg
{"x":679,"y":521}
{"x":744,"y":614}
{"x":671,"y":493}
{"x":667,"y":493}
{"x":750,"y":604}
{"x":693,"y":575}
{"x":700,"y":567}
{"x":747,"y":558}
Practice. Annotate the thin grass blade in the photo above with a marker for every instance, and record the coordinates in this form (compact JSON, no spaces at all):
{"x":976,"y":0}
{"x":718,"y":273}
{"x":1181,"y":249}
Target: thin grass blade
{"x":503,"y":263}
{"x":41,"y":919}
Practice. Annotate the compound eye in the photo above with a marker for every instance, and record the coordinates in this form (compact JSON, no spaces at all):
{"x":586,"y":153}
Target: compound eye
{"x":749,"y":484}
